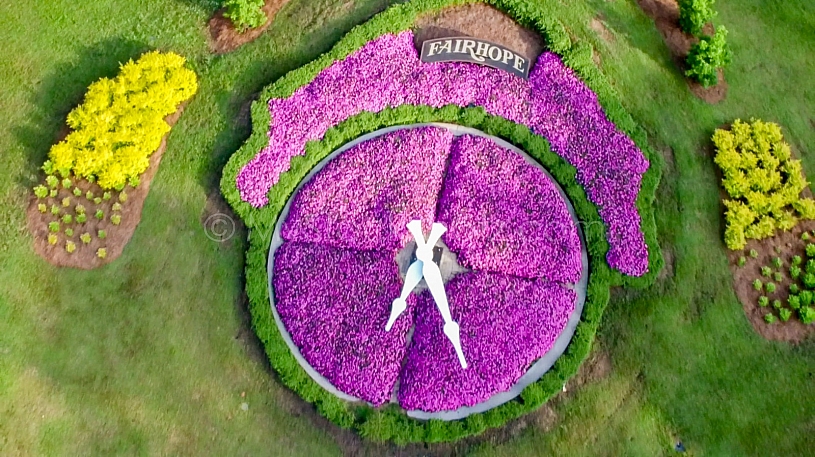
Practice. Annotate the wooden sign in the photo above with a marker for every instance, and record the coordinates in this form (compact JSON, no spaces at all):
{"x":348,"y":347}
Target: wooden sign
{"x":465,"y":49}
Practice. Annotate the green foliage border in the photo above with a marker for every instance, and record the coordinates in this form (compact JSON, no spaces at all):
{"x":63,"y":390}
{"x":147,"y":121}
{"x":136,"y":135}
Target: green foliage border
{"x":390,"y":422}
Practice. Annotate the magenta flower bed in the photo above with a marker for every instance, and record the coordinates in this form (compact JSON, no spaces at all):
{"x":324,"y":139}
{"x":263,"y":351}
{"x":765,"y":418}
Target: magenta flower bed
{"x":334,"y":304}
{"x":554,"y":103}
{"x":334,"y":284}
{"x":365,"y":197}
{"x":506,"y":324}
{"x":504,"y":214}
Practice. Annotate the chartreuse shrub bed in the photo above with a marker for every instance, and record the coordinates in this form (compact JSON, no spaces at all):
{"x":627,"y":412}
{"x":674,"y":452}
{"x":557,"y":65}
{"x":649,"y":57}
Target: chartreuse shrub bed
{"x":121,"y":122}
{"x":608,"y":173}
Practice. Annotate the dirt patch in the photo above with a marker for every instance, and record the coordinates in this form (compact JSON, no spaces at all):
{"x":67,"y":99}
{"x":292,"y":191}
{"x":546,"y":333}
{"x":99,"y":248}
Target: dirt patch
{"x":601,"y":30}
{"x":789,"y":244}
{"x":478,"y":20}
{"x":85,"y":257}
{"x":665,"y":14}
{"x":225,"y":38}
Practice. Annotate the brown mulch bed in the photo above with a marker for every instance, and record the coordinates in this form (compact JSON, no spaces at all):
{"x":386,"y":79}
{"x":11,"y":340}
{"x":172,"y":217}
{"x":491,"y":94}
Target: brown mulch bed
{"x":478,"y":20}
{"x":225,"y":38}
{"x":790,"y":244}
{"x":665,"y":14}
{"x":85,"y":257}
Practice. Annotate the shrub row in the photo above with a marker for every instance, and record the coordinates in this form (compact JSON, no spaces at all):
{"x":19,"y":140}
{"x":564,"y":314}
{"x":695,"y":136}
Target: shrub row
{"x":121,"y":121}
{"x":763,"y":180}
{"x":390,"y":423}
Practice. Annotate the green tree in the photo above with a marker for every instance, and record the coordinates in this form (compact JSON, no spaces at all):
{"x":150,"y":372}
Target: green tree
{"x":694,"y":14}
{"x":245,"y":14}
{"x":707,"y":56}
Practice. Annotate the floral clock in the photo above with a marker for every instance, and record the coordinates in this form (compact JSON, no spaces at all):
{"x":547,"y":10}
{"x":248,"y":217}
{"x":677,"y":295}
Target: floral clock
{"x":432,"y":244}
{"x":511,"y":261}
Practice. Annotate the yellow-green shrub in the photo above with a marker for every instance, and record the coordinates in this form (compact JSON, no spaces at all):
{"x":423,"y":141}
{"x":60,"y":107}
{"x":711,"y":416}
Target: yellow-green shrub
{"x":763,"y":181}
{"x":121,"y":122}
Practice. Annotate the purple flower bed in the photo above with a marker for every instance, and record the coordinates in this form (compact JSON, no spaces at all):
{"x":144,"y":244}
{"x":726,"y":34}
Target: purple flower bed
{"x":334,"y":303}
{"x":364,"y":198}
{"x":506,"y":324}
{"x":554,"y":103}
{"x":504,"y":214}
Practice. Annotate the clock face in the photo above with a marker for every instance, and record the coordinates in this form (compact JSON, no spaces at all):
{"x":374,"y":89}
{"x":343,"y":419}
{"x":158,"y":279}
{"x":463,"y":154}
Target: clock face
{"x":477,"y":238}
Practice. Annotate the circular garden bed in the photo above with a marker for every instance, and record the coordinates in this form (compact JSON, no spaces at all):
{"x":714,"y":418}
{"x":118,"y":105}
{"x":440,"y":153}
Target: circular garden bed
{"x":498,"y":161}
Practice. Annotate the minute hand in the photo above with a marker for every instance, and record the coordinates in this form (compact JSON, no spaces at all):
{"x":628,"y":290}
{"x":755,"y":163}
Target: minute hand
{"x":432,"y":276}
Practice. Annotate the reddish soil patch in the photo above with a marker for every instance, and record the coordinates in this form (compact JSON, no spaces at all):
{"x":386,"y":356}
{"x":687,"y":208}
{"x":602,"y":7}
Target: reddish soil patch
{"x":789,"y":244}
{"x":665,"y":14}
{"x":85,"y":256}
{"x":225,"y":38}
{"x":478,"y":20}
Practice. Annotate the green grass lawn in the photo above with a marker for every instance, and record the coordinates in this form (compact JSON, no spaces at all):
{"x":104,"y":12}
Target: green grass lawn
{"x":150,"y":355}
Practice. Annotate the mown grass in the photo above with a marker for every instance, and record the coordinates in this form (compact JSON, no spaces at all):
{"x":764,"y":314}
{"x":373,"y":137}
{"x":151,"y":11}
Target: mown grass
{"x":149,"y":355}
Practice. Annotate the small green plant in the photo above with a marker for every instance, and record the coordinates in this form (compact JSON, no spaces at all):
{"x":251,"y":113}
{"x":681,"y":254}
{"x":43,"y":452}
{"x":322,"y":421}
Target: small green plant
{"x":106,"y":196}
{"x":794,"y":301}
{"x":742,"y":261}
{"x":769,"y":287}
{"x":85,"y":237}
{"x":794,"y":289}
{"x":67,"y":219}
{"x":753,"y":253}
{"x":42,"y":207}
{"x":101,"y":253}
{"x":707,"y":56}
{"x":807,"y":314}
{"x":89,"y":195}
{"x":97,"y":200}
{"x":53,"y":226}
{"x":53,"y":193}
{"x":805,"y":236}
{"x":796,"y":260}
{"x":777,"y":276}
{"x":52,"y":239}
{"x":81,"y":218}
{"x":769,"y":318}
{"x":810,"y":250}
{"x":102,"y":234}
{"x":245,"y":14}
{"x":66,"y":202}
{"x":806,"y":297}
{"x":52,"y":181}
{"x":810,"y":266}
{"x":99,"y":214}
{"x":77,"y":192}
{"x":123,"y":197}
{"x":41,"y":191}
{"x":766,"y":271}
{"x":809,"y":280}
{"x":777,"y":262}
{"x":116,"y":207}
{"x":116,"y":219}
{"x":133,"y":181}
{"x":763,"y":301}
{"x":694,"y":14}
{"x":757,"y":285}
{"x":785,"y":314}
{"x":69,"y":232}
{"x":70,"y":247}
{"x":66,"y":183}
{"x":777,"y":304}
{"x":54,"y":210}
{"x":80,"y":209}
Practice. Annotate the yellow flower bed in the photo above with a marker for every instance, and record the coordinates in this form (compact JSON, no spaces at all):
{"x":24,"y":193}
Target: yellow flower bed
{"x":763,"y":181}
{"x":121,"y":122}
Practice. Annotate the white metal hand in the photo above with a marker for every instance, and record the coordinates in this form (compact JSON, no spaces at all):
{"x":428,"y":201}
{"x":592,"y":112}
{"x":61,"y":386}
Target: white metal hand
{"x":412,"y":278}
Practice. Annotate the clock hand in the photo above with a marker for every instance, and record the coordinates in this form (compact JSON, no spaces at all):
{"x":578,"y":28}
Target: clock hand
{"x":432,"y":275}
{"x":412,"y":278}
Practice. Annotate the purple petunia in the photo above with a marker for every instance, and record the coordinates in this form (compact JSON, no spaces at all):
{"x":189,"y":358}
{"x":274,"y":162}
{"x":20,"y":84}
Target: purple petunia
{"x":554,"y":103}
{"x":506,"y":324}
{"x":504,"y":214}
{"x":364,"y":198}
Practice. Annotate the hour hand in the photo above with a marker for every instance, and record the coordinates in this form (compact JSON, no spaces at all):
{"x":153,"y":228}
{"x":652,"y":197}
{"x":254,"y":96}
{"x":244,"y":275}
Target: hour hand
{"x":412,"y":278}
